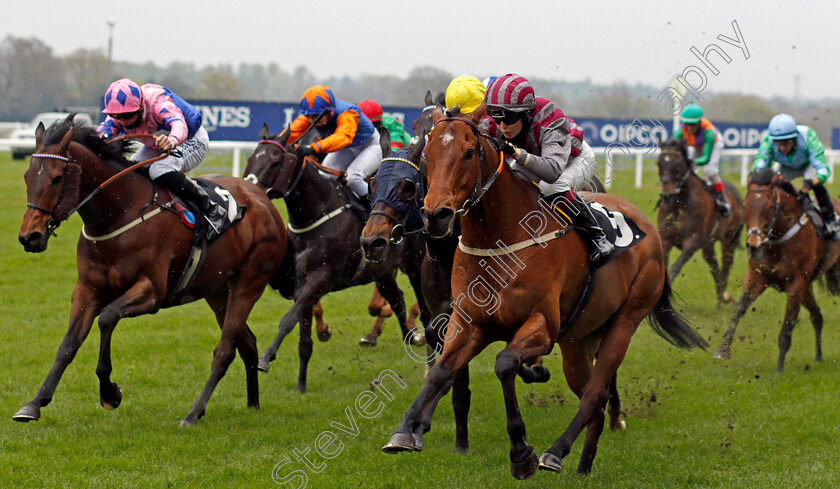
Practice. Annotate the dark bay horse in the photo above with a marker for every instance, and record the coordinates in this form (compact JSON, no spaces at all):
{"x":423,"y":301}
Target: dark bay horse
{"x":511,"y":287}
{"x":128,"y":267}
{"x":325,"y":243}
{"x":688,"y":219}
{"x":785,"y":252}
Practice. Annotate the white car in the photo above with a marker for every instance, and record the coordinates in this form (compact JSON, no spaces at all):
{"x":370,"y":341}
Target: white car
{"x":24,"y":144}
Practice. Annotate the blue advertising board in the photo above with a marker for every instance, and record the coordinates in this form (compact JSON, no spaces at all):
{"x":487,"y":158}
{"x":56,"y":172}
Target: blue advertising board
{"x":241,"y":121}
{"x":643,"y":133}
{"x":835,"y":137}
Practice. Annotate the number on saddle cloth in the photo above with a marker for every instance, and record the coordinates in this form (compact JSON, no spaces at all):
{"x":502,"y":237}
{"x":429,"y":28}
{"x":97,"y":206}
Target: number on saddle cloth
{"x":620,"y":230}
{"x":221,"y":197}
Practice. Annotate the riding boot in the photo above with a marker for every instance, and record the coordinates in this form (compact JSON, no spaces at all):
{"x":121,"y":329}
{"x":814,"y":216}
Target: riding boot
{"x":721,"y":205}
{"x":832,"y":226}
{"x":187,"y":189}
{"x":582,"y":216}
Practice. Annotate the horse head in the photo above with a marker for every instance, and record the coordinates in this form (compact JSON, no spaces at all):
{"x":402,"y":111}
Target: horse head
{"x":271,"y":166}
{"x":455,"y":152}
{"x":423,"y":124}
{"x":396,"y":193}
{"x":674,"y":168}
{"x":770,"y":202}
{"x":52,"y":185}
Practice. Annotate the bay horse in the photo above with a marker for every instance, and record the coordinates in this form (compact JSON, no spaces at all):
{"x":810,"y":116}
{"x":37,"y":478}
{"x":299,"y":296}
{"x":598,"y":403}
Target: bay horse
{"x":526,"y":308}
{"x":324,"y":241}
{"x":688,"y":219}
{"x":129,"y":265}
{"x":785,"y":252}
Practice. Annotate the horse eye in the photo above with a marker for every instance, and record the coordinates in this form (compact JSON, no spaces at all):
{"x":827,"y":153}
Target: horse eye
{"x":408,"y":189}
{"x":469,"y":154}
{"x":56,"y":180}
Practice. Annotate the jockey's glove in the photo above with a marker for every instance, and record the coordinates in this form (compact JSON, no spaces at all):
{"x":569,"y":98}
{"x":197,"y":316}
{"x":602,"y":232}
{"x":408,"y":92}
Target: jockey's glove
{"x":506,"y":147}
{"x":308,"y":151}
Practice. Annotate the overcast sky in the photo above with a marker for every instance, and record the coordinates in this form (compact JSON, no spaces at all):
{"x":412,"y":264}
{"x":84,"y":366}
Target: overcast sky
{"x":604,"y":41}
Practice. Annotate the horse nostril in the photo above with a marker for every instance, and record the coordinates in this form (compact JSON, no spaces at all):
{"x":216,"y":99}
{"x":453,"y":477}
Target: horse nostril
{"x":443,"y":215}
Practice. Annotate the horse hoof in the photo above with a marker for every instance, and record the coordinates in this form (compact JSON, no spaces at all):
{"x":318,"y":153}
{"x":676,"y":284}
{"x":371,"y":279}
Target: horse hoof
{"x":325,"y":335}
{"x":112,"y":403}
{"x":418,"y":442}
{"x":722,"y":353}
{"x":549,"y":461}
{"x":418,"y":339}
{"x":727,"y":298}
{"x":263,"y":365}
{"x":367,"y":341}
{"x":541,"y":374}
{"x":526,"y":468}
{"x":399,"y":442}
{"x":187,"y":422}
{"x":619,"y":425}
{"x":385,"y":312}
{"x":27,"y":413}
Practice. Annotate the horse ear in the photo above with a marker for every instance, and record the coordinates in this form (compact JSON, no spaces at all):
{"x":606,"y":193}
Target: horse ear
{"x":437,"y":114}
{"x":264,"y":133}
{"x":478,"y":113}
{"x":65,"y":141}
{"x":777,"y":179}
{"x":429,"y":101}
{"x":39,"y":134}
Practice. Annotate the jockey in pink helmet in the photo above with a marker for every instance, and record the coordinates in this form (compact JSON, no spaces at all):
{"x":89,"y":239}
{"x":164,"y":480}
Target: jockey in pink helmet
{"x":135,"y":109}
{"x":547,"y":146}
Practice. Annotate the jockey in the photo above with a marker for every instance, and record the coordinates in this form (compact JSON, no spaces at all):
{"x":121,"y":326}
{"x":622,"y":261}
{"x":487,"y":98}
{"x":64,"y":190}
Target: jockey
{"x":349,"y":138}
{"x":132,"y":109}
{"x":547,"y":146}
{"x":704,"y":140}
{"x":395,"y":128}
{"x":796,"y":151}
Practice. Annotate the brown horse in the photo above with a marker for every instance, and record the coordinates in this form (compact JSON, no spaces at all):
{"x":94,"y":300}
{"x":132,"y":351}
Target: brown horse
{"x":129,"y":267}
{"x":688,"y":220}
{"x":786,"y":253}
{"x":521,"y":293}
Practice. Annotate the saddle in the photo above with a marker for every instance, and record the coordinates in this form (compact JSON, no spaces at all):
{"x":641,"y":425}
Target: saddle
{"x":812,"y":210}
{"x":203,"y":234}
{"x":359,"y":205}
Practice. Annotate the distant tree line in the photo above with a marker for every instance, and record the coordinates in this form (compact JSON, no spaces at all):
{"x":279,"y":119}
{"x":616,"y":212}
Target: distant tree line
{"x":33,"y":79}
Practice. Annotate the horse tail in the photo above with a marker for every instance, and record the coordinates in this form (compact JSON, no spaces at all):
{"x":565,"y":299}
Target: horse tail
{"x":671,"y":325}
{"x":283,"y":280}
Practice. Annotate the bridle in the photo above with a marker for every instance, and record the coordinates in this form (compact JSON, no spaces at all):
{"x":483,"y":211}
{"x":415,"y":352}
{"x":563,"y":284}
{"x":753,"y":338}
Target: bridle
{"x":298,"y":171}
{"x":73,"y":181}
{"x":763,"y":234}
{"x":480,"y":188}
{"x":399,"y":232}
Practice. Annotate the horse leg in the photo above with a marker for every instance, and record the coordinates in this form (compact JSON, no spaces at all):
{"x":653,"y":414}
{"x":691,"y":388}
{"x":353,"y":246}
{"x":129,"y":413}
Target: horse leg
{"x":688,"y":249}
{"x":463,"y":343}
{"x":313,"y":289}
{"x":321,"y":327}
{"x":304,"y":348}
{"x":795,"y":294}
{"x":139,"y":299}
{"x":389,"y":289}
{"x":236,"y":335}
{"x":461,"y":396}
{"x":376,"y":308}
{"x":614,"y":406}
{"x":595,"y":391}
{"x":84,"y":307}
{"x":530,"y":341}
{"x":247,"y":348}
{"x":727,"y":257}
{"x":810,"y":303}
{"x":754,"y":285}
{"x":711,"y":259}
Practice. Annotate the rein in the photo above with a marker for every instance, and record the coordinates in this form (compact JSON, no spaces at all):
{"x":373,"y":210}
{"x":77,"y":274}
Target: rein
{"x":58,"y":217}
{"x":480,"y":189}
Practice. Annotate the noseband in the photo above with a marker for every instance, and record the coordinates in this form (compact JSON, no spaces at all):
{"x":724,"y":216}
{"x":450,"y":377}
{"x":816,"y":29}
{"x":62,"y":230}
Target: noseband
{"x":72,"y":181}
{"x":480,"y":189}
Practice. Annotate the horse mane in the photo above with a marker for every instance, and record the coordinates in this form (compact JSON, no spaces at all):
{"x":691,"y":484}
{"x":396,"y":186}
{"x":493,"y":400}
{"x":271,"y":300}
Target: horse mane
{"x":766,"y":178}
{"x":89,"y":138}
